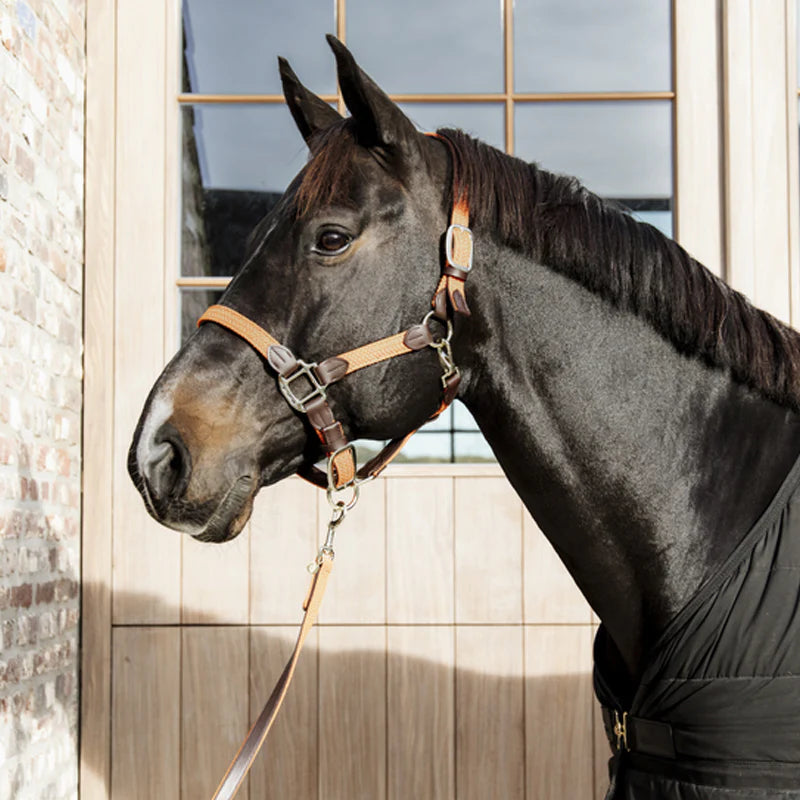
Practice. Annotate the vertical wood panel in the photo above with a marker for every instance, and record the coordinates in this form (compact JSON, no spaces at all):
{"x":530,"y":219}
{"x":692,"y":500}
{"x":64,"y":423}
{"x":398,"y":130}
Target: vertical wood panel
{"x":739,"y":190}
{"x":98,"y":399}
{"x":490,"y":750}
{"x":419,"y":532}
{"x":352,"y":713}
{"x":215,"y":581}
{"x":173,"y":158}
{"x":551,"y":595}
{"x":420,"y":685}
{"x":761,"y":222}
{"x":283,"y":540}
{"x":214,"y":706}
{"x":793,"y":171}
{"x":698,"y":219}
{"x":145,"y":747}
{"x":287,"y":765}
{"x":146,"y":556}
{"x":488,"y":547}
{"x":558,"y":711}
{"x":769,"y":148}
{"x":357,"y":588}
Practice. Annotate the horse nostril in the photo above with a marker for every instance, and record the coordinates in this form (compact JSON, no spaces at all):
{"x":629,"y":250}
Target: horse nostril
{"x":167,"y":465}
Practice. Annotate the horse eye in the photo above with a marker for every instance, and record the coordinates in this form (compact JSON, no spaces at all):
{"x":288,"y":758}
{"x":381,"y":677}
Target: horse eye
{"x":332,"y":242}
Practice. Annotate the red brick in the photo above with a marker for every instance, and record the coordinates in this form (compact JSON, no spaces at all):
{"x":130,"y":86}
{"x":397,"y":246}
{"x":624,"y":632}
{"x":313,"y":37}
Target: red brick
{"x":45,"y":592}
{"x":22,"y":596}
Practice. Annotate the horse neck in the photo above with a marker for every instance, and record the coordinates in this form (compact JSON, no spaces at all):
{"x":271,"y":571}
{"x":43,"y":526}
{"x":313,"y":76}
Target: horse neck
{"x":643,"y":467}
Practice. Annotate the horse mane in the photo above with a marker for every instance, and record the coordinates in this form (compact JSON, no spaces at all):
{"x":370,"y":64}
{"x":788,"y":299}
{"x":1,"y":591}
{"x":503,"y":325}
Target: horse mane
{"x":557,"y":221}
{"x":631,"y":264}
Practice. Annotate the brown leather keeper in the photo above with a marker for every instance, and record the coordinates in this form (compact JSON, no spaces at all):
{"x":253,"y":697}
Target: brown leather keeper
{"x":451,"y":389}
{"x":460,"y":302}
{"x":418,"y":337}
{"x":331,"y":370}
{"x":319,"y":413}
{"x":281,"y":359}
{"x":455,"y":272}
{"x":439,"y":304}
{"x":334,"y":437}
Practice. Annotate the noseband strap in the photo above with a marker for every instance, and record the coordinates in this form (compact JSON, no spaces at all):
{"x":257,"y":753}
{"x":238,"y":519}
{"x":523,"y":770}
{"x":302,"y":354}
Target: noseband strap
{"x":304,"y":384}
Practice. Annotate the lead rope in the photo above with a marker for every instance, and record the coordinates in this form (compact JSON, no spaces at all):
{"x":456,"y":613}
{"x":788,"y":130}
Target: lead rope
{"x":321,"y":569}
{"x":341,"y":473}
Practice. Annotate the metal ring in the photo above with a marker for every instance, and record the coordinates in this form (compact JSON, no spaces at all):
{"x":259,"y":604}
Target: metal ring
{"x":343,"y":505}
{"x":441,"y":342}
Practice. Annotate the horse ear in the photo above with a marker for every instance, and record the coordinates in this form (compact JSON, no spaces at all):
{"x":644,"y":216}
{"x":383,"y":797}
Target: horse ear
{"x":379,"y":121}
{"x":310,"y":112}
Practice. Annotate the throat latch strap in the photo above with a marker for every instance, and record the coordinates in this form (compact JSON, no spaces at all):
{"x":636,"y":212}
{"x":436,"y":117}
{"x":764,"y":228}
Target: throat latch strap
{"x":458,"y":247}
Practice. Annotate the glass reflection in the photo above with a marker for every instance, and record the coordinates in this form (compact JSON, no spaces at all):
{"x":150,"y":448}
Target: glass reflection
{"x":226,"y":45}
{"x":484,"y":120}
{"x":618,"y":150}
{"x":583,"y":45}
{"x":193,"y":303}
{"x":419,"y":46}
{"x":237,"y":162}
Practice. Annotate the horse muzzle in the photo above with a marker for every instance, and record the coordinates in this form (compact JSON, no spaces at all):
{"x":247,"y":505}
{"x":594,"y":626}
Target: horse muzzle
{"x":160,"y":465}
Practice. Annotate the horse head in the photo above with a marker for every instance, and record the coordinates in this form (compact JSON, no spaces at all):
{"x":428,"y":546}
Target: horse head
{"x":350,"y":254}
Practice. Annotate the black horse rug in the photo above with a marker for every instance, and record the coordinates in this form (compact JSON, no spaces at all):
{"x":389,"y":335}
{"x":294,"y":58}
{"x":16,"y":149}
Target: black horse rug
{"x":717,"y":711}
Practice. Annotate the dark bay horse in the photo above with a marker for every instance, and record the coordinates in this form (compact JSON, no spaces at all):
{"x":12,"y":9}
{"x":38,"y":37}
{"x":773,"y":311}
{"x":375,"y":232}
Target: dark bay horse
{"x":645,"y":412}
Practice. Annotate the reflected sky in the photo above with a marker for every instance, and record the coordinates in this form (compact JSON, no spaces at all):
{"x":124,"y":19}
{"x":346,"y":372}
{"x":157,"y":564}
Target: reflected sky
{"x":232,"y":45}
{"x":484,"y":120}
{"x":418,"y":46}
{"x":616,"y":149}
{"x":246,"y":147}
{"x":586,"y":45}
{"x":422,"y":47}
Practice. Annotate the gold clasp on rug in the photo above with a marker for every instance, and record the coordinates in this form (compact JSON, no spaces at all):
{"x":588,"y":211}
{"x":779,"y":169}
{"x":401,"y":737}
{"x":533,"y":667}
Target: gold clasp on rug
{"x":621,"y":730}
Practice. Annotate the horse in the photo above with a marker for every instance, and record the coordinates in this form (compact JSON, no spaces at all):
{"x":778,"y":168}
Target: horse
{"x":646,"y":413}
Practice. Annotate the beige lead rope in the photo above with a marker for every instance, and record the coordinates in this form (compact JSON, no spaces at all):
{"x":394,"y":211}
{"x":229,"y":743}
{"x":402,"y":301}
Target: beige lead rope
{"x":243,"y":760}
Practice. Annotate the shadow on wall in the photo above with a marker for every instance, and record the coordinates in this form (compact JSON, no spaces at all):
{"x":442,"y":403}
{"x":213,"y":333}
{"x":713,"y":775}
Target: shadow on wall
{"x":375,"y":712}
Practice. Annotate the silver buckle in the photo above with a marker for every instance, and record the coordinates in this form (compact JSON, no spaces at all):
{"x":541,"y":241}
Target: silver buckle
{"x":448,"y":246}
{"x":285,"y":385}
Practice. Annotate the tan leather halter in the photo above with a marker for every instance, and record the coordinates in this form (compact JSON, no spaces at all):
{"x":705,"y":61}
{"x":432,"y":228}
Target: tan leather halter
{"x":342,"y":472}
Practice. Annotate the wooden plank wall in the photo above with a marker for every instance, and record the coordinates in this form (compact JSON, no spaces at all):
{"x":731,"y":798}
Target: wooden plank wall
{"x":452,"y":659}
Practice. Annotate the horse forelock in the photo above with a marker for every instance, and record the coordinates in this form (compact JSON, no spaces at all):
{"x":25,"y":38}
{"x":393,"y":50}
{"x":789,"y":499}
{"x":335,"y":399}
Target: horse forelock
{"x":328,"y":173}
{"x":557,"y":221}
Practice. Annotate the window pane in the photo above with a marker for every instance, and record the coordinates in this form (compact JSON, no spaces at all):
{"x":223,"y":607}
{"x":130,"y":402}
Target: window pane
{"x":229,"y":46}
{"x":442,"y":423}
{"x":618,"y":150}
{"x":237,"y":161}
{"x":193,"y":303}
{"x":584,"y":45}
{"x":472,"y":447}
{"x":418,"y":46}
{"x":462,"y":419}
{"x":484,"y":120}
{"x":427,"y":447}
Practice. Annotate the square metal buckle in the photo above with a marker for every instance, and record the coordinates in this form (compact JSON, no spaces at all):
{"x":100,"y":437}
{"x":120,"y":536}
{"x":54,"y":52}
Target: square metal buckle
{"x":449,"y":241}
{"x":317,"y":389}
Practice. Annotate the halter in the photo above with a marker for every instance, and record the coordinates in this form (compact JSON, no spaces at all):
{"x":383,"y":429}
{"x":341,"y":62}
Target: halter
{"x":305,"y":384}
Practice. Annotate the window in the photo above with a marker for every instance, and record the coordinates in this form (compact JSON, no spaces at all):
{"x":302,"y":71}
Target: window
{"x":578,"y":86}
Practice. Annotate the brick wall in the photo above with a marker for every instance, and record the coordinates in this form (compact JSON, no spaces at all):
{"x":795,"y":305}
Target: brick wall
{"x":41,"y":256}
